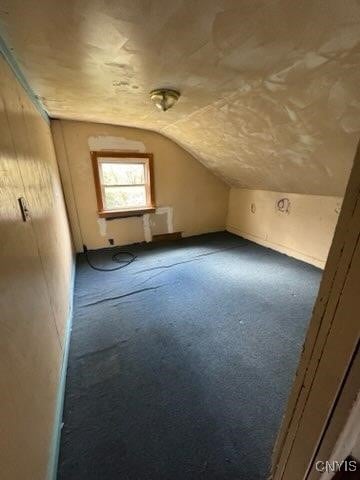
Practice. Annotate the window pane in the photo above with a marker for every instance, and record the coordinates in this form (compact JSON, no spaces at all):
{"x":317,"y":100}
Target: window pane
{"x":123,"y":173}
{"x":124,"y":197}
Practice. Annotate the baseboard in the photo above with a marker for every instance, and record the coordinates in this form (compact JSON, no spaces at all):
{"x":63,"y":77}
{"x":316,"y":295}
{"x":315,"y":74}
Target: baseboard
{"x":55,"y":441}
{"x":278,"y":247}
{"x":166,"y":236}
{"x":196,"y":233}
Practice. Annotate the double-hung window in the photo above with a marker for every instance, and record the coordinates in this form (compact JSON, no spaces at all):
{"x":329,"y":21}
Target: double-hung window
{"x":124,"y":183}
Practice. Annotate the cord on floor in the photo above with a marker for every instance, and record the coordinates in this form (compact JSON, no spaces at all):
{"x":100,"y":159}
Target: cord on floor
{"x":115,"y":258}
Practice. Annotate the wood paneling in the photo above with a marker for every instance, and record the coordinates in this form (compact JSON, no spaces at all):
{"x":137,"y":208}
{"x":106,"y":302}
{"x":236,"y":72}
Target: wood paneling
{"x":36,"y":264}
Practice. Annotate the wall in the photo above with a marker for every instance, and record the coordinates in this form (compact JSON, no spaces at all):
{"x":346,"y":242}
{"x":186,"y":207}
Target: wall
{"x":198,"y":199}
{"x":305,"y":232}
{"x":329,"y":365}
{"x":35,"y":283}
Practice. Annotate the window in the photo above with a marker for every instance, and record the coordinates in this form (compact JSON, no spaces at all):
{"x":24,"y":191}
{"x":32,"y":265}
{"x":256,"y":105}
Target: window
{"x":124,"y":183}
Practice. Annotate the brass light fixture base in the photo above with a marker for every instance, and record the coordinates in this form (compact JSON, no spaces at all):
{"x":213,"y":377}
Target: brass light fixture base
{"x":164,"y":98}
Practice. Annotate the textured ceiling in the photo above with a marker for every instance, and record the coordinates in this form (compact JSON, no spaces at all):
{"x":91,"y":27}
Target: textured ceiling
{"x":270,"y":89}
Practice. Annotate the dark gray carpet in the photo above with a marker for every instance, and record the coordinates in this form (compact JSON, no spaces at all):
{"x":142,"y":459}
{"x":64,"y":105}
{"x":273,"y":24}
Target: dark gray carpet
{"x":181,"y":363}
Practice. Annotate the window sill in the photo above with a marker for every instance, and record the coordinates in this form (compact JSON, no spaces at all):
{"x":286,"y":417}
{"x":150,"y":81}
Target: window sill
{"x":134,"y":212}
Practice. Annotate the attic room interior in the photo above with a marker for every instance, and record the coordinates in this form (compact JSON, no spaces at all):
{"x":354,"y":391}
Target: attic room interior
{"x":179,"y":240}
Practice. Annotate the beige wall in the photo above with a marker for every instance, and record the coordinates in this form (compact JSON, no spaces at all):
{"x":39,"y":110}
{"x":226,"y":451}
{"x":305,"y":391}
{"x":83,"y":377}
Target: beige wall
{"x":305,"y":232}
{"x":199,"y":199}
{"x":35,"y":281}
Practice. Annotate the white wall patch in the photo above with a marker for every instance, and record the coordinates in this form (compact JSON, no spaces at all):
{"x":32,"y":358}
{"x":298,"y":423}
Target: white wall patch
{"x":102,"y":226}
{"x":147,"y":228}
{"x":169,"y":216}
{"x":105,"y":142}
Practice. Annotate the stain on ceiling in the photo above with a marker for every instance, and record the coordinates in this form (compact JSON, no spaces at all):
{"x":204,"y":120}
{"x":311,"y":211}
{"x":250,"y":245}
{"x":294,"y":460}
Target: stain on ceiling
{"x":270,"y":95}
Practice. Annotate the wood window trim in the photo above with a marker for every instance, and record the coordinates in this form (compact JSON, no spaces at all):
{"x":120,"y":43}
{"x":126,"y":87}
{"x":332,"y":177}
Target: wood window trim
{"x":130,"y":212}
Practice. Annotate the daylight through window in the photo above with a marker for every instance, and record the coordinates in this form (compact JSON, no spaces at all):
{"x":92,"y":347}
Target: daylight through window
{"x":123,"y":183}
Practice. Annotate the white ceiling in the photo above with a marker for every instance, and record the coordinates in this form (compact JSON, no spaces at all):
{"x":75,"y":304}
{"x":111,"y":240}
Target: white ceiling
{"x":270,"y":88}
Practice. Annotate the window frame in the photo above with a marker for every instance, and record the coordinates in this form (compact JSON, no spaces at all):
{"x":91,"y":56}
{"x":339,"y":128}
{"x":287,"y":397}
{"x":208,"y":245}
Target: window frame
{"x":145,"y":159}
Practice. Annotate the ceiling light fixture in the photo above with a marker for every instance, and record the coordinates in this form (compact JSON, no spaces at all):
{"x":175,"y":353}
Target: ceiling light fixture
{"x":164,"y":98}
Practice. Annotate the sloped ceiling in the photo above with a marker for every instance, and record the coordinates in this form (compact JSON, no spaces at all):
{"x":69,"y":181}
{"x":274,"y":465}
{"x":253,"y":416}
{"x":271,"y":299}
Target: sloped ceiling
{"x":270,"y":89}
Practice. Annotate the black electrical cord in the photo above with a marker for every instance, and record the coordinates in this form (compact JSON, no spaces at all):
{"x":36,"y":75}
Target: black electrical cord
{"x":114,"y":258}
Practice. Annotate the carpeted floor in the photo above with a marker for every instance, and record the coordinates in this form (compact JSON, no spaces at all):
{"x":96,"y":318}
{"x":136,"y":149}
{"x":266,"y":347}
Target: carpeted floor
{"x":181,"y":363}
